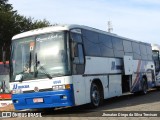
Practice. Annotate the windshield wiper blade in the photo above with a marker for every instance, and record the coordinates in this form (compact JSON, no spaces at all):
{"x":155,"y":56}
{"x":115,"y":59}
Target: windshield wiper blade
{"x":58,"y":74}
{"x":45,"y":72}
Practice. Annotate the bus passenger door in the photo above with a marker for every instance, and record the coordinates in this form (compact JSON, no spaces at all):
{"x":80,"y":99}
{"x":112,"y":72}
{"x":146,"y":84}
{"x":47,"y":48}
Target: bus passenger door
{"x":78,"y":69}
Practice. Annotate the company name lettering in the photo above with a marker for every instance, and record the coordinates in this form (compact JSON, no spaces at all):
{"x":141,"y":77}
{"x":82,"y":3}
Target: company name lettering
{"x":15,"y":86}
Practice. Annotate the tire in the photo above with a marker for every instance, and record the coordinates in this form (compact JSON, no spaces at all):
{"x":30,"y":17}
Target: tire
{"x":96,"y":96}
{"x":144,"y":87}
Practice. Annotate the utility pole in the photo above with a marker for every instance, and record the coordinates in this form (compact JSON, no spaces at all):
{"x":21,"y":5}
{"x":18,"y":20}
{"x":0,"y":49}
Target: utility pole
{"x":110,"y":28}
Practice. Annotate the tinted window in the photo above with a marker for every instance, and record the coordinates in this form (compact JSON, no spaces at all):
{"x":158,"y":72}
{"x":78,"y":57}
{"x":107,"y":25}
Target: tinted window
{"x":118,"y":53}
{"x":80,"y":53}
{"x":127,"y":46}
{"x":91,"y":43}
{"x":143,"y":51}
{"x":118,"y":47}
{"x":105,"y":40}
{"x":136,"y":50}
{"x":149,"y":52}
{"x":76,"y":37}
{"x":117,"y":43}
{"x":128,"y":54}
{"x":106,"y":45}
{"x":105,"y":51}
{"x":149,"y":57}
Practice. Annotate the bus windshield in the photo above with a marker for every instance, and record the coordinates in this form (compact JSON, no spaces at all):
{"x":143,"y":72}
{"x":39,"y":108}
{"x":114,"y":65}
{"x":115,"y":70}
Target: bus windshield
{"x":155,"y":55}
{"x":40,"y":56}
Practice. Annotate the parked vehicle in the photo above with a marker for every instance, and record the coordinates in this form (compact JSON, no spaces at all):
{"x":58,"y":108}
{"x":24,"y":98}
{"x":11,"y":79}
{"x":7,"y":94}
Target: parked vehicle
{"x":70,"y":65}
{"x":156,"y":58}
{"x":5,"y":95}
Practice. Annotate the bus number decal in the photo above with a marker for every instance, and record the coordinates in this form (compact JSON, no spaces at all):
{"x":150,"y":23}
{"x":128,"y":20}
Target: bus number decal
{"x":57,"y":82}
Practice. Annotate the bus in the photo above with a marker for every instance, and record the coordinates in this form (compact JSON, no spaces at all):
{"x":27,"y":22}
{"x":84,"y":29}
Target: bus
{"x":156,"y":58}
{"x":71,"y":65}
{"x":5,"y":95}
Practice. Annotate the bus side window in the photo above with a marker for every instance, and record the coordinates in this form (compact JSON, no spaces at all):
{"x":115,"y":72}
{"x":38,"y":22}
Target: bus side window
{"x":78,"y":54}
{"x":76,"y":37}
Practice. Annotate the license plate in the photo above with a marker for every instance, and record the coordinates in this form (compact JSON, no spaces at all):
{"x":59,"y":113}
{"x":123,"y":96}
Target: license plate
{"x":38,"y":100}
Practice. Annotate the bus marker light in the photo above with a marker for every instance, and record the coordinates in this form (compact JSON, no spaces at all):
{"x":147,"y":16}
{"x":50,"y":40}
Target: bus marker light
{"x":67,"y":86}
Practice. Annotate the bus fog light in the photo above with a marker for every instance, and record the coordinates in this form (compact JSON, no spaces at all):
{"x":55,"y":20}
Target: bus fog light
{"x":15,"y":101}
{"x":63,"y":97}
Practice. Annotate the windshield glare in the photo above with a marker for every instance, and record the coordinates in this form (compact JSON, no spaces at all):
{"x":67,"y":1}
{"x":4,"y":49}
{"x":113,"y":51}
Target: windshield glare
{"x":39,"y":56}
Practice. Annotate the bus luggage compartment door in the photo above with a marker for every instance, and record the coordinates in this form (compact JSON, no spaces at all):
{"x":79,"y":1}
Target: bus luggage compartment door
{"x":128,"y":65}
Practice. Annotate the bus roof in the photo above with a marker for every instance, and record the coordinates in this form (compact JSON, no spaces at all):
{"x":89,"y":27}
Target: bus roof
{"x":66,"y":27}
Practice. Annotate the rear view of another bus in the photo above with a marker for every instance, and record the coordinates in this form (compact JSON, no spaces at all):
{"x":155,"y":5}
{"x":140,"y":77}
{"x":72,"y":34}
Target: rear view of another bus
{"x":5,"y":96}
{"x":156,"y":58}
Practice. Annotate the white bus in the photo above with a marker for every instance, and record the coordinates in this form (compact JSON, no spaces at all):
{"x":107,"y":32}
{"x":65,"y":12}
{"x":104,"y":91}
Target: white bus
{"x":70,"y":65}
{"x":156,"y":58}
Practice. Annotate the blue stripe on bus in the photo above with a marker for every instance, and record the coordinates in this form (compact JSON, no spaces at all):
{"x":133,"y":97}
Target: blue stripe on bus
{"x":51,"y":99}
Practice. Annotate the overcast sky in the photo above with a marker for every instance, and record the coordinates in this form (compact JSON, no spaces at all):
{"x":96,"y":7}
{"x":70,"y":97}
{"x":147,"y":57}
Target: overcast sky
{"x":136,"y":19}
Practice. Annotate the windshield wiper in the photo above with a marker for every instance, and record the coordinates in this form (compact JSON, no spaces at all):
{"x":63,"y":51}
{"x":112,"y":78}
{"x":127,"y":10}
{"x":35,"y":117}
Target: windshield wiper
{"x":57,"y":74}
{"x":45,"y":72}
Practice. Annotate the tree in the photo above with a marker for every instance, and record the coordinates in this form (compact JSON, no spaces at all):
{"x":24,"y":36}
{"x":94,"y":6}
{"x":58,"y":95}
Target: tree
{"x":12,"y":23}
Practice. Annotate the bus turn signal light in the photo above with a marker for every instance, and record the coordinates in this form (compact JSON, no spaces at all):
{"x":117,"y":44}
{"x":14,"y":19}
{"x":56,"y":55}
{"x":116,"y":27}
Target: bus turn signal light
{"x":67,"y":86}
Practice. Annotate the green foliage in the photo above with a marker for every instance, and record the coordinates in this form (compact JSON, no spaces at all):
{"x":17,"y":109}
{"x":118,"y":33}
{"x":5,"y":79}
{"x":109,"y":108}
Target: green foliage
{"x":11,"y":23}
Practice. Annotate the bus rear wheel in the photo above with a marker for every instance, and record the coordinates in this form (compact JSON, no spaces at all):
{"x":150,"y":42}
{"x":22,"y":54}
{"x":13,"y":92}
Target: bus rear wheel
{"x":144,"y":87}
{"x":96,"y":96}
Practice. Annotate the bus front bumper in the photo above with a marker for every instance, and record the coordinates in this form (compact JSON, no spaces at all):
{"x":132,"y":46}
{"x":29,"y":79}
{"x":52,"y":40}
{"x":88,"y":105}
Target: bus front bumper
{"x":48,"y":99}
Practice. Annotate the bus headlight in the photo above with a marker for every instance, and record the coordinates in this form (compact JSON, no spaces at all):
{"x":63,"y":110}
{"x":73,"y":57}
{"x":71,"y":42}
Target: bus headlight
{"x":61,"y":87}
{"x":18,"y":91}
